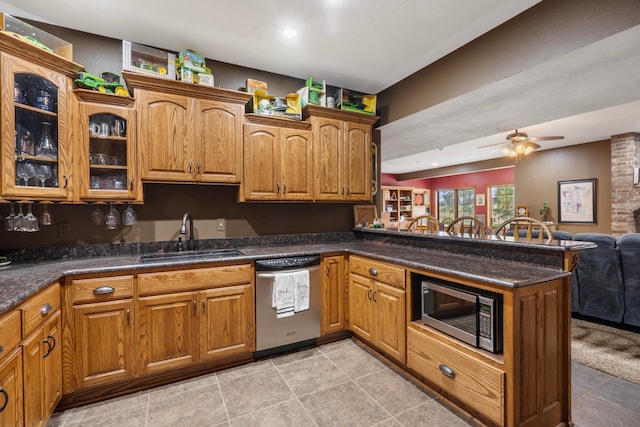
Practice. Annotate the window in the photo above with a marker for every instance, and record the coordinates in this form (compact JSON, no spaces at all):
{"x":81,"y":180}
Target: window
{"x":501,"y":203}
{"x":455,"y":203}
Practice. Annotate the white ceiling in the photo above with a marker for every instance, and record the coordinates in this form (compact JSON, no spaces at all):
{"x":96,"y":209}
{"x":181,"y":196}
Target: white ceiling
{"x":368,"y":45}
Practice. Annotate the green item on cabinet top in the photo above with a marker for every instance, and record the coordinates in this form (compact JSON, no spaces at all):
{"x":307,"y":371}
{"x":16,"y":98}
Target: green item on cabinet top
{"x":191,"y":60}
{"x":93,"y":82}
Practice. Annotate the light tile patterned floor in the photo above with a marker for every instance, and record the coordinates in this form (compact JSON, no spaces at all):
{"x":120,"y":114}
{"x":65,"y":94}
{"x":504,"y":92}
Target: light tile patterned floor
{"x":338,"y":384}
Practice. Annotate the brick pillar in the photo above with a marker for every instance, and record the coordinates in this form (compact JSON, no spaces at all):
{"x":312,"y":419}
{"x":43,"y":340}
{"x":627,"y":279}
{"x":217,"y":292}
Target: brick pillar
{"x":625,"y":197}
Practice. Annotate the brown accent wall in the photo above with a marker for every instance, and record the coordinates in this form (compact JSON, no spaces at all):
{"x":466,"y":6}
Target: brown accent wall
{"x":537,"y":176}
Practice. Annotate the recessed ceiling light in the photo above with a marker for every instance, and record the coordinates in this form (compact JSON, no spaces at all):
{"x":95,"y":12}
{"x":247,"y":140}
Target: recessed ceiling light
{"x":434,"y":164}
{"x":290,"y":33}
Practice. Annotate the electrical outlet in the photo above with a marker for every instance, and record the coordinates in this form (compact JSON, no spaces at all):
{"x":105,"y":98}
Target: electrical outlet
{"x":220,"y":224}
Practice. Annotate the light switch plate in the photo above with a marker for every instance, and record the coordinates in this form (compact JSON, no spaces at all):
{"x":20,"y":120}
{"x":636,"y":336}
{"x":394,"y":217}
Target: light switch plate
{"x":220,"y":224}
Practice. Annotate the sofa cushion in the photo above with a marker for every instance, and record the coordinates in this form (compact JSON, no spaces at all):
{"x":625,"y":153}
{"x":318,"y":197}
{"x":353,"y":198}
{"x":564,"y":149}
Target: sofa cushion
{"x":599,"y":278}
{"x":629,"y":248}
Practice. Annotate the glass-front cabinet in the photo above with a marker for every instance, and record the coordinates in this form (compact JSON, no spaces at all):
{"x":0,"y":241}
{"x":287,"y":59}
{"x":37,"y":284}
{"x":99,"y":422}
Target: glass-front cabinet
{"x":106,"y":157}
{"x":36,"y":158}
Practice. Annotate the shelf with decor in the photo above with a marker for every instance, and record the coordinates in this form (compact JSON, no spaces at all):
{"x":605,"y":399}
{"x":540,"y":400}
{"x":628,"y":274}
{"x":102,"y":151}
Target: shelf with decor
{"x":397,"y":206}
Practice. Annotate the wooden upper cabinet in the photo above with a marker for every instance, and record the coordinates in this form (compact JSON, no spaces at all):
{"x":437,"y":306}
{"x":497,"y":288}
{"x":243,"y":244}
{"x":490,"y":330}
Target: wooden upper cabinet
{"x":342,"y":154}
{"x":278,"y":162}
{"x":187,"y":132}
{"x":34,"y":95}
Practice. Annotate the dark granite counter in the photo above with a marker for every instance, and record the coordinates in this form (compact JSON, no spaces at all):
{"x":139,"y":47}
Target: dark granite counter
{"x":485,"y":263}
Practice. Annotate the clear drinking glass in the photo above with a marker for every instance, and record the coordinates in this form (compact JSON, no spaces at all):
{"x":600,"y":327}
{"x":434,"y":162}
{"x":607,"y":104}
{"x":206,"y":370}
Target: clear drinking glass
{"x":97,"y":216}
{"x":45,"y":216}
{"x":129,"y":217}
{"x":26,"y":171}
{"x":18,"y":220}
{"x":43,"y":172}
{"x":112,"y":219}
{"x":30,"y":221}
{"x":9,"y":224}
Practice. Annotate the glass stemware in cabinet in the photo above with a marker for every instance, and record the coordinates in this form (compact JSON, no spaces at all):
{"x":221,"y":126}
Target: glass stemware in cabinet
{"x":46,"y":146}
{"x":26,"y":171}
{"x":43,"y":172}
{"x":30,"y":221}
{"x":112,"y":219}
{"x":129,"y":217}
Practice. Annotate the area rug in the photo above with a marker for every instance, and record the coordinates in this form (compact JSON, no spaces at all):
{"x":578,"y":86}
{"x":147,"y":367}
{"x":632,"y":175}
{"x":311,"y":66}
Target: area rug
{"x":607,"y":349}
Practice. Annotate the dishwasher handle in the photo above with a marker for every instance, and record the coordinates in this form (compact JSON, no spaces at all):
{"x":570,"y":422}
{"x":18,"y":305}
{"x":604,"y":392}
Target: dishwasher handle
{"x":265,"y":275}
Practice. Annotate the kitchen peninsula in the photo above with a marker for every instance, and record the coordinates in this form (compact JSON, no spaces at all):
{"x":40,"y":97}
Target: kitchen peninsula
{"x":528,"y":382}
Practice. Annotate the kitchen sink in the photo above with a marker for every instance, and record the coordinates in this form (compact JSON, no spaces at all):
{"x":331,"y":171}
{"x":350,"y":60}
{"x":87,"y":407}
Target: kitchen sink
{"x":190,"y":255}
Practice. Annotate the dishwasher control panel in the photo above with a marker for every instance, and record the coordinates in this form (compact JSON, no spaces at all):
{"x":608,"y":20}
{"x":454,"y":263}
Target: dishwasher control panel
{"x":287,"y":262}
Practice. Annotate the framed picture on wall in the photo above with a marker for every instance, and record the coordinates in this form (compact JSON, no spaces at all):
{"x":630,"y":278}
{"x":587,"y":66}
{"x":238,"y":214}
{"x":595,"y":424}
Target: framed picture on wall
{"x":480,"y":199}
{"x":577,"y":201}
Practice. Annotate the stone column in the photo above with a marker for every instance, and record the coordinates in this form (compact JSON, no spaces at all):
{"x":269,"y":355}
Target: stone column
{"x":625,"y":196}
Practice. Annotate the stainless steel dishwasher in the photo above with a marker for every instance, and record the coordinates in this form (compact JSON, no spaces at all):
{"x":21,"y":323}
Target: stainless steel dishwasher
{"x":276,"y":334}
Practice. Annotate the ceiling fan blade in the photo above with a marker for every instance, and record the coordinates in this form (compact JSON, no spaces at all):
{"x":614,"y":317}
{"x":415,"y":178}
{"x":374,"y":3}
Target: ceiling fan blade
{"x":495,"y":150}
{"x":497,"y":143}
{"x":545,"y":138}
{"x":534,"y":145}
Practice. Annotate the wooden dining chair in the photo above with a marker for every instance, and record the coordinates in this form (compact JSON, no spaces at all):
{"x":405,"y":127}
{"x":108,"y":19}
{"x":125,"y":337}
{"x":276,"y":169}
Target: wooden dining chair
{"x":424,"y":224}
{"x":467,"y":225}
{"x":524,"y":226}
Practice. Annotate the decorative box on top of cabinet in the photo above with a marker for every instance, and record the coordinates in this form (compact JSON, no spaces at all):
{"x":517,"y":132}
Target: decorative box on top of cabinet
{"x":188,"y":132}
{"x":106,"y":152}
{"x":36,"y":134}
{"x":342,"y":153}
{"x":278,"y":159}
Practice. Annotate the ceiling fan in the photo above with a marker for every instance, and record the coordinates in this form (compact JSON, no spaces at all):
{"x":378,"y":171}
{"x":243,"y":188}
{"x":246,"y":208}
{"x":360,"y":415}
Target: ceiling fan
{"x":519,"y":144}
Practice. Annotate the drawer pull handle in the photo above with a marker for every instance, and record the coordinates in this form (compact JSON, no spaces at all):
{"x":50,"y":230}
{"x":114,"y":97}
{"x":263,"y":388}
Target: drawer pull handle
{"x":6,"y":399}
{"x":373,"y":272}
{"x":447,"y":371}
{"x":46,"y":309}
{"x":103,"y":290}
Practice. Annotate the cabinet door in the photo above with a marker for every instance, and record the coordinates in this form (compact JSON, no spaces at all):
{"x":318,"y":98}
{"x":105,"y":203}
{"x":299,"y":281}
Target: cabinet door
{"x":166,"y":331}
{"x":357,"y":162}
{"x":219,"y":142}
{"x":11,"y":393}
{"x":52,"y":364}
{"x":34,"y":381}
{"x":227,"y":324}
{"x":296,"y":164}
{"x":35,"y":131}
{"x":327,"y":140}
{"x":333,"y":295}
{"x":361,"y":311}
{"x":165,"y":135}
{"x":390,"y":328}
{"x":106,"y":161}
{"x":104,"y":342}
{"x":262,"y":179}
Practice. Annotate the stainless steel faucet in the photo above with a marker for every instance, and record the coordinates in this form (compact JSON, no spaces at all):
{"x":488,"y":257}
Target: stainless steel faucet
{"x":183,"y":230}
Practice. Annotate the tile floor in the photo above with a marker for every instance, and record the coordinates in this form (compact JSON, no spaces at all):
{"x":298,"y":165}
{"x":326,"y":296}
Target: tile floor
{"x":338,"y":384}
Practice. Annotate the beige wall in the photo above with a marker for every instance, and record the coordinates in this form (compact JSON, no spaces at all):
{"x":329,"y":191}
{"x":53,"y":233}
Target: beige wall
{"x":537,"y":176}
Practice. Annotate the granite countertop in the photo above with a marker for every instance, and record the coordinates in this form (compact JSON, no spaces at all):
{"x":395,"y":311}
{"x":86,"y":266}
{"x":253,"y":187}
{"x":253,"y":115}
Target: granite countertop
{"x":19,"y":281}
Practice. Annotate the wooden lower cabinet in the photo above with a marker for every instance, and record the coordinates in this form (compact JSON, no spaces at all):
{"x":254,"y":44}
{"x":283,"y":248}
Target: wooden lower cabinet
{"x":332,"y":317}
{"x":11,"y":394}
{"x":42,"y":372}
{"x":377,"y":309}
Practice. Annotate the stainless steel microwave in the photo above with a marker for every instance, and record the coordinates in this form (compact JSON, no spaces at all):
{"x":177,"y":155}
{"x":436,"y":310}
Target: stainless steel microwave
{"x":470,"y":316}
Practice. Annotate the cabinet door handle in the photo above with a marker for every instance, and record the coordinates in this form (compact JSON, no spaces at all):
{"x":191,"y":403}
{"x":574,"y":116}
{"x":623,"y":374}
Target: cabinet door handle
{"x":373,"y":272}
{"x":195,"y":307}
{"x":447,"y":371}
{"x":284,"y":188}
{"x":198,"y":167}
{"x":6,"y":399}
{"x":278,"y":187}
{"x":46,"y":309}
{"x":46,"y":354}
{"x":66,"y":181}
{"x":190,"y":167}
{"x":52,"y":338}
{"x":128,"y":317}
{"x":343,"y":190}
{"x":369,"y":294}
{"x":348,"y":190}
{"x":374,"y":296}
{"x":103,"y":290}
{"x":131,"y":183}
{"x":1,"y":349}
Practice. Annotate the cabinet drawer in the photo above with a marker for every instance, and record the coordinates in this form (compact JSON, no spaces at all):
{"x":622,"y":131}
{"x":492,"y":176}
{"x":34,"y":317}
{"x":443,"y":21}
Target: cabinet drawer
{"x":387,"y":273}
{"x":10,"y":332}
{"x":39,"y":308}
{"x":102,"y":289}
{"x":471,"y":381}
{"x":193,"y":279}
